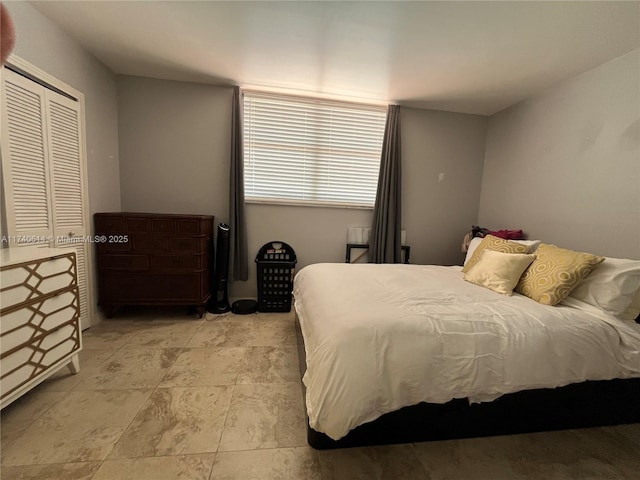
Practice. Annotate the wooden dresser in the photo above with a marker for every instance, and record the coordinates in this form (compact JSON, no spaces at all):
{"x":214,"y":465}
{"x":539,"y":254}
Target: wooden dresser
{"x":153,"y":259}
{"x":39,"y":317}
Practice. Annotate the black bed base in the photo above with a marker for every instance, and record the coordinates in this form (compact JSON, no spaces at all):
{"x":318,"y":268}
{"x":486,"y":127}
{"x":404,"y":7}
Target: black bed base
{"x":580,"y":405}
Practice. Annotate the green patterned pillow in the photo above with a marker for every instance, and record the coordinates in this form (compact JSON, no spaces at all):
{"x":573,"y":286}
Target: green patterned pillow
{"x":496,"y":244}
{"x":554,"y":273}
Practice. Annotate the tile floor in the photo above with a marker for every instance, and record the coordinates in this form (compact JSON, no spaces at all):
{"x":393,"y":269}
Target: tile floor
{"x":163,"y":395}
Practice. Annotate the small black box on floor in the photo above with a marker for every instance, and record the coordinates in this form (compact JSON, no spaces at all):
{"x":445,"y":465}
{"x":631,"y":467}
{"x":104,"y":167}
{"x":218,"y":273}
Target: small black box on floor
{"x":244,"y":307}
{"x":276,"y":267}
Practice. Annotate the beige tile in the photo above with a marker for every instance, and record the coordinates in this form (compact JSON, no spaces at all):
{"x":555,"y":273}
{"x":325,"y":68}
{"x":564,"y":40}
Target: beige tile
{"x":104,"y":340}
{"x":269,"y":464}
{"x":246,"y":330}
{"x":270,"y":365}
{"x":273,"y":330}
{"x":223,"y":333}
{"x":396,"y":462}
{"x":544,"y":455}
{"x":586,"y":469}
{"x":629,"y":433}
{"x":57,"y":471}
{"x":23,"y":412}
{"x":184,"y":467}
{"x":64,"y":380}
{"x":81,"y":427}
{"x":177,"y":421}
{"x":109,"y":334}
{"x":265,"y":416}
{"x":578,"y":454}
{"x":217,"y":317}
{"x":131,"y":367}
{"x":605,"y":452}
{"x":205,"y":366}
{"x":164,"y":334}
{"x":475,"y":458}
{"x":285,"y":316}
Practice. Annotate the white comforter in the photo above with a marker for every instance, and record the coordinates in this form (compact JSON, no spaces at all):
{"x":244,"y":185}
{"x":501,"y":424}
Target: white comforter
{"x":382,"y":337}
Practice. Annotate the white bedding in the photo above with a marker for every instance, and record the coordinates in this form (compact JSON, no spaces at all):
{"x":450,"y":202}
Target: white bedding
{"x":382,"y":337}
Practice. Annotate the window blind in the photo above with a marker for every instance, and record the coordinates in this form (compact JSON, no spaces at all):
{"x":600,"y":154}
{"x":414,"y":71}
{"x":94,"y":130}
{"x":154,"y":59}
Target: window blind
{"x":303,"y":150}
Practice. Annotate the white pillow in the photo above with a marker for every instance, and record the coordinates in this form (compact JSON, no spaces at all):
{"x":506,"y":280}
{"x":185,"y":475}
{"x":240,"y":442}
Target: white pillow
{"x":499,"y":271}
{"x":633,"y":310}
{"x":533,"y":244}
{"x":475,"y":241}
{"x":614,"y":287}
{"x":473,"y":244}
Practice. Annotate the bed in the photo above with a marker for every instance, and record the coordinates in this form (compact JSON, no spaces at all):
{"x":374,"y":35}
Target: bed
{"x":400,"y":353}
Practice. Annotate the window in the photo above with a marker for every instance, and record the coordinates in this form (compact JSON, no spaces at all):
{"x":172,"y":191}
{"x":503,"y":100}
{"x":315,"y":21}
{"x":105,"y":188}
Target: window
{"x":309,"y":151}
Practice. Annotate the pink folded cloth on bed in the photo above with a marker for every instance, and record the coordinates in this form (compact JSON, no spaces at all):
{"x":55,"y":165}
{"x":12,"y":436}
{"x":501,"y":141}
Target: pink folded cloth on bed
{"x":507,"y":234}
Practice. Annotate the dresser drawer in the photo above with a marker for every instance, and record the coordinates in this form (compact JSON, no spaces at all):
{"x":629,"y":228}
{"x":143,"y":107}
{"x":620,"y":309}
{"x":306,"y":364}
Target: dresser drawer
{"x":188,"y":244}
{"x":37,"y":318}
{"x":150,"y":243}
{"x":115,"y":247}
{"x":153,"y":288}
{"x":177,"y":262}
{"x":163,"y":225}
{"x":24,"y":282}
{"x":111,"y":261}
{"x":193,"y":227}
{"x":105,"y":224}
{"x":32,"y":359}
{"x":137,"y":224}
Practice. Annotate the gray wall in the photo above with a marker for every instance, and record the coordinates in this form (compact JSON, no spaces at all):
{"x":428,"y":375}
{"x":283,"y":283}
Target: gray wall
{"x":42,"y":43}
{"x":565,"y":164}
{"x":175,"y":148}
{"x":442,"y":161}
{"x":317,"y":234}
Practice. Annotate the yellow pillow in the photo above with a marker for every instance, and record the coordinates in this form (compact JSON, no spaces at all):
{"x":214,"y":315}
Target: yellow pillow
{"x":497,"y":244}
{"x":499,"y":271}
{"x":554,"y":273}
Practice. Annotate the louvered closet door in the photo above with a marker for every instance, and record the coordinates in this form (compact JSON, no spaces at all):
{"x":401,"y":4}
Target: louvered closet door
{"x":43,"y":171}
{"x":25,"y":166}
{"x":68,"y":187}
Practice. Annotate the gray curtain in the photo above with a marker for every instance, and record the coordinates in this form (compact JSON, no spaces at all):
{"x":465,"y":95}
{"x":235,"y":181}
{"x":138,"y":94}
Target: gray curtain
{"x":385,"y":243}
{"x":237,"y":220}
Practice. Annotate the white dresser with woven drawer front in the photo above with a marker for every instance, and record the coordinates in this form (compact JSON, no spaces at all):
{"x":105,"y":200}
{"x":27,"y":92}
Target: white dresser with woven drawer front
{"x":39,"y":317}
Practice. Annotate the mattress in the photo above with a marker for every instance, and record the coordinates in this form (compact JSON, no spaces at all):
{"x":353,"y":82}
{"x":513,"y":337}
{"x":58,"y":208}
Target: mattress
{"x":382,"y":337}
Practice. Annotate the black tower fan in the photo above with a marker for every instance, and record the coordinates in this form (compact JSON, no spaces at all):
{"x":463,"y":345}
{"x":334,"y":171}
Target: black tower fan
{"x":220,"y":297}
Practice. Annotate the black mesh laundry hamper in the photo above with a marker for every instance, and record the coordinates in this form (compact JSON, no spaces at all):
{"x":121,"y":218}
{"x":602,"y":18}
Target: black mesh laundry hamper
{"x":276,"y":267}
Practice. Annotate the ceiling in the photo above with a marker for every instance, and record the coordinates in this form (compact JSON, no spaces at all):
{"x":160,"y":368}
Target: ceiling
{"x":472,"y":57}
